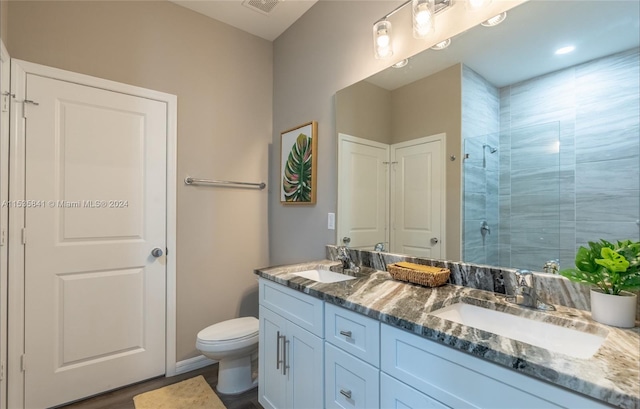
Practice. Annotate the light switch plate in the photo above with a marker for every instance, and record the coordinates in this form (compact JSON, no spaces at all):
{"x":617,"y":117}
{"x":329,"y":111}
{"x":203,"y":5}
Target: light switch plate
{"x":331,"y":221}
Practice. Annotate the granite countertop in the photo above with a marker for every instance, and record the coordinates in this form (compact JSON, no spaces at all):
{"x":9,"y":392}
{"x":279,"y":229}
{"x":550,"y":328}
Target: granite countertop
{"x":611,"y":375}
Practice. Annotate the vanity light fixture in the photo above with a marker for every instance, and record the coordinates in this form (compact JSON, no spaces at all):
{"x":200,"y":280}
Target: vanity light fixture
{"x":401,"y":63}
{"x":442,"y":45}
{"x":495,"y":20}
{"x":382,"y":39}
{"x":423,"y":12}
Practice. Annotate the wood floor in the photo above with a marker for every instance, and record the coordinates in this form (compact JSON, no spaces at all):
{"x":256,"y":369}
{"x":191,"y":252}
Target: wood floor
{"x":123,"y":398}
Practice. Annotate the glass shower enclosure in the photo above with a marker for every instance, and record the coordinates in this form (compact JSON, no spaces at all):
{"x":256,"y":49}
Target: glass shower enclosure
{"x":512,"y":202}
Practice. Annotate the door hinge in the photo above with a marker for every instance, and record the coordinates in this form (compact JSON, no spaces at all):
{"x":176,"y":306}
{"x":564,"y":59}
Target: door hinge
{"x":24,"y":235}
{"x":23,"y":363}
{"x":2,"y":371}
{"x":3,"y":236}
{"x":6,"y":101}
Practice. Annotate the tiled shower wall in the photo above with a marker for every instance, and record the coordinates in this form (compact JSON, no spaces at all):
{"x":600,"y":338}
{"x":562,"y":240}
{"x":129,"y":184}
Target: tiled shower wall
{"x":569,"y":160}
{"x":594,"y":110}
{"x":480,"y":127}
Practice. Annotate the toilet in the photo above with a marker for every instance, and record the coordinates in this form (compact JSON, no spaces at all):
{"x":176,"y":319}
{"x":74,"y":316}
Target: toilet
{"x":233,"y":344}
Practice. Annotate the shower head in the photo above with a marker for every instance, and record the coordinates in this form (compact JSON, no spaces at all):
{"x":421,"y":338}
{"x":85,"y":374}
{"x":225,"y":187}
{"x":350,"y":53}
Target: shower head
{"x":492,"y":149}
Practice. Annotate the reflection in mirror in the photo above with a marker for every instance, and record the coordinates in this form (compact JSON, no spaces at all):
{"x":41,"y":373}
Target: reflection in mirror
{"x":526,"y":226}
{"x":547,"y":146}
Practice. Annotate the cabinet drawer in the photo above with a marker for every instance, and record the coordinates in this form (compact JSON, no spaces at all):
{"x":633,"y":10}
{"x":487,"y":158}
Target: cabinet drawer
{"x":299,"y":308}
{"x":353,"y":332}
{"x":395,"y":394}
{"x":460,"y":380}
{"x":349,"y":382}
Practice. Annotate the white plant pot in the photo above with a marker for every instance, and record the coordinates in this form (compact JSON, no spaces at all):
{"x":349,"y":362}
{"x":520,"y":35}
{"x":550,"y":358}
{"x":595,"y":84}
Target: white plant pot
{"x":616,"y":310}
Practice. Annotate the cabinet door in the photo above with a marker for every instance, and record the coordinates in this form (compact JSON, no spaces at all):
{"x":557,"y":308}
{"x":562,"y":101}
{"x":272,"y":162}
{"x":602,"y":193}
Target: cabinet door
{"x":304,"y":363}
{"x":395,"y":394}
{"x":350,"y":382}
{"x":272,"y":387}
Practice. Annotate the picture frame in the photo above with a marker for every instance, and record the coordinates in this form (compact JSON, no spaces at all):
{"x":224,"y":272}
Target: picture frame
{"x":298,"y":164}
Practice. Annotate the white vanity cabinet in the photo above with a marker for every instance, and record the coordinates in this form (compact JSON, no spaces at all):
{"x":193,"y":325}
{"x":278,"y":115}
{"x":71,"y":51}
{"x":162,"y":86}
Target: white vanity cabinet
{"x":444,"y":377}
{"x":352,"y":356}
{"x":291,"y":350}
{"x":315,"y":355}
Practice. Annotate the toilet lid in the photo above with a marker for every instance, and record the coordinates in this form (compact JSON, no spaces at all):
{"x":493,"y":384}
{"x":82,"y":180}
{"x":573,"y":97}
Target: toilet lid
{"x":230,"y":330}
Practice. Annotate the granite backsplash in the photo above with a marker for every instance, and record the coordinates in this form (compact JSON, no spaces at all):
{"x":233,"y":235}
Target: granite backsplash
{"x":551,"y":288}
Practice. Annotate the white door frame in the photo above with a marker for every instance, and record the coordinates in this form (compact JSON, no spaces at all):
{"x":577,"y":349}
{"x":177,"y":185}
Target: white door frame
{"x":5,"y":86}
{"x":19,"y":71}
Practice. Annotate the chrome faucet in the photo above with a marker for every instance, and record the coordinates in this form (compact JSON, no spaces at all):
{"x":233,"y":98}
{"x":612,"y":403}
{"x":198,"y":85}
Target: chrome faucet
{"x":345,"y":258}
{"x":551,"y":266}
{"x":525,"y":292}
{"x":379,"y":246}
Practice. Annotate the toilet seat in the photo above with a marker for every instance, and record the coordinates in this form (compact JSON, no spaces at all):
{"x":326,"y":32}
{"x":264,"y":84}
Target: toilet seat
{"x":234,"y":329}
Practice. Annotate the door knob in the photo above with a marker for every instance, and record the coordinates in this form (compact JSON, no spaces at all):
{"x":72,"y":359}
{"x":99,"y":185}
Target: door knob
{"x":346,"y":240}
{"x":157,"y":252}
{"x":434,"y":240}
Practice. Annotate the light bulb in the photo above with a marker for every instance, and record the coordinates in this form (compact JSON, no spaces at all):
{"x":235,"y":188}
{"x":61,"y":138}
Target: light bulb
{"x":423,"y":17}
{"x":382,"y":39}
{"x":423,"y":21}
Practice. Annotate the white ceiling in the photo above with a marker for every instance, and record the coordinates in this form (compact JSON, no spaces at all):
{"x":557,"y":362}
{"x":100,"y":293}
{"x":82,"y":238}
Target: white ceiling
{"x":237,"y":14}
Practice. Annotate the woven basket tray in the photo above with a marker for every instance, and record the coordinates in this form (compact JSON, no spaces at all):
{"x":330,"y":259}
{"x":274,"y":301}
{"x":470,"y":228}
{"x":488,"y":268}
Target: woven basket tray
{"x":419,"y":274}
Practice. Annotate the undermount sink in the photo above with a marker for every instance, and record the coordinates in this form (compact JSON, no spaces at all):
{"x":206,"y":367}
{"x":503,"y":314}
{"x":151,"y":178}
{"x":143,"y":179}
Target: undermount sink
{"x":324,"y":276}
{"x":568,"y":341}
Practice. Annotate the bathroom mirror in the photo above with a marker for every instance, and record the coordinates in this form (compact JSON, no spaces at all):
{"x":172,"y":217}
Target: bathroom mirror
{"x":541,"y":150}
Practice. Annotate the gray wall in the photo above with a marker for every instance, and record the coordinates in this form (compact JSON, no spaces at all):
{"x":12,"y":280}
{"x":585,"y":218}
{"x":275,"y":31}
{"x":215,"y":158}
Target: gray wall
{"x":4,"y":20}
{"x":364,"y":110}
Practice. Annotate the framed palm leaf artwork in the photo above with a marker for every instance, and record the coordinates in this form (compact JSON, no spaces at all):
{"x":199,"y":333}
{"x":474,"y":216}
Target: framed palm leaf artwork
{"x":298,"y":163}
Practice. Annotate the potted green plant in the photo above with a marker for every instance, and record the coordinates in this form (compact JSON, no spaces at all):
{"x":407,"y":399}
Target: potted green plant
{"x":614,"y":270}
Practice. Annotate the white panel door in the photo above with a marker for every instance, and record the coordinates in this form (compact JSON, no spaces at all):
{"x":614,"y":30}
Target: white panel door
{"x":417,"y":197}
{"x":362,"y":192}
{"x":94,"y":294}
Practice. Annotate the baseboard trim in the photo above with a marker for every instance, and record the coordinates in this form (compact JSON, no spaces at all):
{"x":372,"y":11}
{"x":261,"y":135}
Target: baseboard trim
{"x":192,"y":364}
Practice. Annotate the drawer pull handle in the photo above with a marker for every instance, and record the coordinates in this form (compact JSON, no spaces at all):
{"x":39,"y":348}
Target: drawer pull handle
{"x":346,"y":333}
{"x":346,"y":394}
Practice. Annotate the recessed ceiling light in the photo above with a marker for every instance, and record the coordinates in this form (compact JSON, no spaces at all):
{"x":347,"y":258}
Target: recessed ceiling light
{"x":565,"y":50}
{"x":401,"y":63}
{"x":495,"y":20}
{"x":442,"y":45}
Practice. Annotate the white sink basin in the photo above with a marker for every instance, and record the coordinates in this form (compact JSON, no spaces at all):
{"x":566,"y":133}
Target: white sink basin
{"x":555,"y":338}
{"x":324,"y":276}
